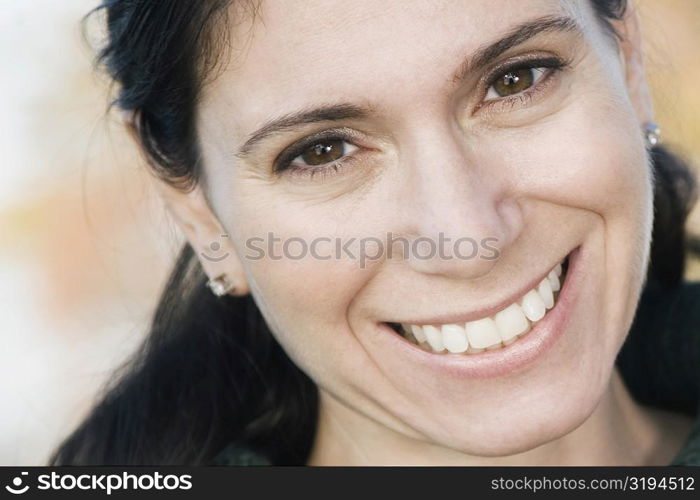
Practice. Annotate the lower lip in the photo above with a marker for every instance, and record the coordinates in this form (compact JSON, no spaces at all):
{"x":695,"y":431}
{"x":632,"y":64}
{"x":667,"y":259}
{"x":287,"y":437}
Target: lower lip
{"x":505,"y":360}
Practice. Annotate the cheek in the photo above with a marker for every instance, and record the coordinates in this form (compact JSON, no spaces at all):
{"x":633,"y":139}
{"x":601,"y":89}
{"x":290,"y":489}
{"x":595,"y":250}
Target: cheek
{"x":591,"y":158}
{"x":586,"y":158}
{"x":303,"y":294}
{"x":599,"y":164}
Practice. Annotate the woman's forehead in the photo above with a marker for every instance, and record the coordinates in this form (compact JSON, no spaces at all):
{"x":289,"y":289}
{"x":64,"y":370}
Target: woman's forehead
{"x":294,"y":55}
{"x":308,"y":36}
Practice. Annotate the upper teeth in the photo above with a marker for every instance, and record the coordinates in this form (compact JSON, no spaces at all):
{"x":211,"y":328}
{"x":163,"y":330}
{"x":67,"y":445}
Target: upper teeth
{"x":494,"y":331}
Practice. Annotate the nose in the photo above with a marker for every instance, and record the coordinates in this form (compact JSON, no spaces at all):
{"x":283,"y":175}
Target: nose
{"x":459,"y":213}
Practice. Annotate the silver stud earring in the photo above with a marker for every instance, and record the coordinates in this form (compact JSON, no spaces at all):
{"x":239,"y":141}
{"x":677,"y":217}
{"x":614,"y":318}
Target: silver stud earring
{"x":652,"y":134}
{"x":220,"y":285}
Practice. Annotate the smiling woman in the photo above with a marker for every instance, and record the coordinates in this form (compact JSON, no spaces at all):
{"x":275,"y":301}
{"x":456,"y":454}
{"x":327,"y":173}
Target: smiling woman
{"x":530,"y":128}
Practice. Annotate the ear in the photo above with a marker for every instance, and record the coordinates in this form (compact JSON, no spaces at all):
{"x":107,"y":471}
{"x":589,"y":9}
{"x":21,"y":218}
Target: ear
{"x":205,"y":234}
{"x":632,"y":54}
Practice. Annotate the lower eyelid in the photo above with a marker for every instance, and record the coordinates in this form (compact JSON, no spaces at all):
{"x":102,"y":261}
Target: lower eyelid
{"x":308,"y":172}
{"x":331,"y":168}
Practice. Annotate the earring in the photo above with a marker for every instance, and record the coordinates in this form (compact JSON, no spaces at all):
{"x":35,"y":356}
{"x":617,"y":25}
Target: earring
{"x":220,"y":286}
{"x":652,"y":134}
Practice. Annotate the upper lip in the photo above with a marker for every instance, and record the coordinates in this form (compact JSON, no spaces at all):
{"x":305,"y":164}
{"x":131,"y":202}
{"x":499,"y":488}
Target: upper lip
{"x":461,"y":317}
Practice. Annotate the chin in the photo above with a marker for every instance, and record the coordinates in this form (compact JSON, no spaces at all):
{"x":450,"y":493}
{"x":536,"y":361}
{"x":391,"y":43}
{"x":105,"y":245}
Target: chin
{"x":512,"y":429}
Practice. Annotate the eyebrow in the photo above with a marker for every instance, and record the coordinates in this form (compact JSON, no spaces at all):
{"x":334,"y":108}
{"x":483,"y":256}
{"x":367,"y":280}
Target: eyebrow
{"x":515,"y":37}
{"x":331,"y":112}
{"x":343,"y":111}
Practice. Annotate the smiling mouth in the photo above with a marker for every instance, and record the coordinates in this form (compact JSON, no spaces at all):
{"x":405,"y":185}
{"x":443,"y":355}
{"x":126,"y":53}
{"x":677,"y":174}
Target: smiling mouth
{"x":492,"y":332}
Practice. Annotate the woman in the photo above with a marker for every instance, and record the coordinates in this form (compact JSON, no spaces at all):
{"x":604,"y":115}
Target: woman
{"x":276,"y":128}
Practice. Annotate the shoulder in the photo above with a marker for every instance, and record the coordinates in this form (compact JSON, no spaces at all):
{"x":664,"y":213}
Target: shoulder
{"x":690,"y":453}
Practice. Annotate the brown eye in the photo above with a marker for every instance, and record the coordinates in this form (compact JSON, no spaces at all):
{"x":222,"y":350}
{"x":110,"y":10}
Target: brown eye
{"x":514,"y":82}
{"x":325,"y":151}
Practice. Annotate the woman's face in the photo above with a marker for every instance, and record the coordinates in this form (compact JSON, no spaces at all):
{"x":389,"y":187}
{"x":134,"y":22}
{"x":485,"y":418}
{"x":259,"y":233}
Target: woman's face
{"x":507,"y":127}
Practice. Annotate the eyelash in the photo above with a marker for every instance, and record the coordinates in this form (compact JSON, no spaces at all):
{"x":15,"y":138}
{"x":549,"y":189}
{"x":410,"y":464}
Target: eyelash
{"x":551,"y":65}
{"x":284,"y":161}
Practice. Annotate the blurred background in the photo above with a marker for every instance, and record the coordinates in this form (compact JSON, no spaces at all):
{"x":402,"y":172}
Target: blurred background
{"x":84,"y":243}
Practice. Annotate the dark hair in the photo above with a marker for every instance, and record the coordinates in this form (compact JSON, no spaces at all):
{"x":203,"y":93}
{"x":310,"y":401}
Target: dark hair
{"x":210,"y":373}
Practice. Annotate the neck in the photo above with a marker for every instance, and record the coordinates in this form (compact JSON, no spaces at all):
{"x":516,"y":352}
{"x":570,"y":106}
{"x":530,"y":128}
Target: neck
{"x":618,"y":432}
